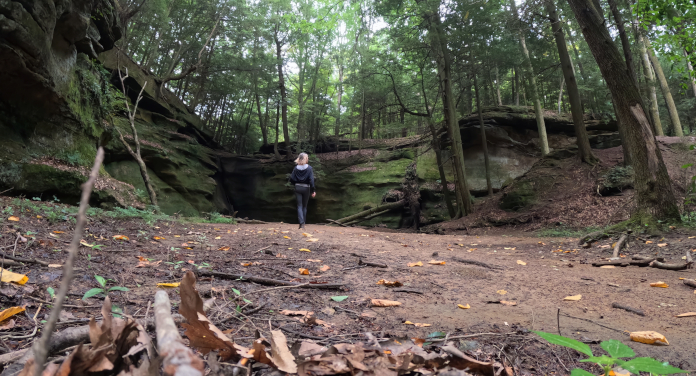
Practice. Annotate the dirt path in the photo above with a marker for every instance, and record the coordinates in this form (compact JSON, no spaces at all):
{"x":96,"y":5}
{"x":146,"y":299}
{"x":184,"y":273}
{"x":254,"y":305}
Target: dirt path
{"x":430,"y":293}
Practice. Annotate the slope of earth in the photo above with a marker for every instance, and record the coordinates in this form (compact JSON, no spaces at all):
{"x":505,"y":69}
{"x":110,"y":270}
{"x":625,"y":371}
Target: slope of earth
{"x":561,"y":192}
{"x":478,"y":271}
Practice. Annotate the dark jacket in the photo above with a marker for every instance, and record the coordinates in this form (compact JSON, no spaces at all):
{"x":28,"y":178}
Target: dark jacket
{"x":305,"y":176}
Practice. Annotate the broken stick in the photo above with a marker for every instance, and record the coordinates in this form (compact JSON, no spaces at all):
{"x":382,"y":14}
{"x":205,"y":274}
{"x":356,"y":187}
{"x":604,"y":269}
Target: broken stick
{"x":662,"y":265}
{"x":178,"y":359}
{"x":637,"y":311}
{"x":372,"y":264}
{"x":690,"y":283}
{"x":619,"y":245}
{"x":268,"y":281}
{"x":477,"y":263}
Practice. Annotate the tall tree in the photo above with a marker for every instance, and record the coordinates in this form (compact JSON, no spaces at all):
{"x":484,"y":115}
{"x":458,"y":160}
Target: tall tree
{"x":654,"y":194}
{"x":666,"y":93}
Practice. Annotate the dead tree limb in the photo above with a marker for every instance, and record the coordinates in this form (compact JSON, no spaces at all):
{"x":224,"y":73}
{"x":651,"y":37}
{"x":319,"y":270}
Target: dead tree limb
{"x":131,"y":120}
{"x":619,"y":244}
{"x":28,"y":261}
{"x":611,"y":262}
{"x":477,"y":263}
{"x":690,"y":283}
{"x":41,"y":347}
{"x":268,"y":281}
{"x":372,"y":264}
{"x":367,"y":218}
{"x":662,"y":265}
{"x":365,"y":213}
{"x":178,"y":359}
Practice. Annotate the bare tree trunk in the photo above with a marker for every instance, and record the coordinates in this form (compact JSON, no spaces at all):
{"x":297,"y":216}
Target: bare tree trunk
{"x":497,"y":86}
{"x":283,"y":95}
{"x":541,"y":126}
{"x":484,"y":143}
{"x":275,"y":144}
{"x":584,"y":148}
{"x":337,"y":129}
{"x":650,"y":79}
{"x":666,"y":93}
{"x":654,"y":195}
{"x":692,"y":79}
{"x":517,"y":86}
{"x":560,"y":95}
{"x":628,"y":55}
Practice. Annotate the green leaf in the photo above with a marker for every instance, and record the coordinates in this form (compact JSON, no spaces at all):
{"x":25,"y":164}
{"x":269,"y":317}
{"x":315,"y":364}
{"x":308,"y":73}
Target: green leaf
{"x":617,"y":349}
{"x":580,"y":372}
{"x":236,"y":291}
{"x":650,"y":365}
{"x":246,"y":300}
{"x":436,"y":335}
{"x":101,"y":280}
{"x":93,"y":292}
{"x":687,"y":165}
{"x":339,"y":298}
{"x":51,"y":292}
{"x":565,"y":341}
{"x":119,"y":288}
{"x":603,"y":360}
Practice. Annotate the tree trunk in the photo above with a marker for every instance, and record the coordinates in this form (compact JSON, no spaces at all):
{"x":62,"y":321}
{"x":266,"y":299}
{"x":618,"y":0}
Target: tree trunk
{"x":622,"y":135}
{"x":275,"y":144}
{"x":560,"y":95}
{"x":628,"y":55}
{"x":666,"y":93}
{"x":692,"y":79}
{"x":584,"y":148}
{"x":654,"y":194}
{"x":541,"y":127}
{"x":444,"y":68}
{"x":337,"y":128}
{"x":517,"y":86}
{"x":650,"y":79}
{"x":283,"y":97}
{"x":497,"y":86}
{"x":484,"y":143}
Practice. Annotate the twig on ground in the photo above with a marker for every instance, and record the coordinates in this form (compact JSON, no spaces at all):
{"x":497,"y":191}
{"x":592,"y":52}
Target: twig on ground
{"x":619,"y":244}
{"x":372,"y":264}
{"x":41,"y":346}
{"x":297,"y":333}
{"x":596,"y":323}
{"x":64,"y":305}
{"x":252,"y":311}
{"x":178,"y":359}
{"x":268,"y":281}
{"x":637,"y":311}
{"x":275,"y":288}
{"x":477,"y":263}
{"x":690,"y":283}
{"x":29,"y":261}
{"x":662,"y":265}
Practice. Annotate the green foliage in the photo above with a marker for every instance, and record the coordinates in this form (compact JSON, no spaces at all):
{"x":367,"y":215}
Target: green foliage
{"x":616,"y":351}
{"x":103,"y":290}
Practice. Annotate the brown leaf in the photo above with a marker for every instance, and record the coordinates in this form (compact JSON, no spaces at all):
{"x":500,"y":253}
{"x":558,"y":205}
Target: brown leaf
{"x":436,"y":262}
{"x":304,"y":271}
{"x":688,"y":314}
{"x":281,"y":355}
{"x":390,"y":283}
{"x":8,"y":324}
{"x":649,"y":337}
{"x":384,"y":303}
{"x":202,"y":334}
{"x":508,"y":303}
{"x":659,"y":284}
{"x":325,"y":268}
{"x":287,"y":312}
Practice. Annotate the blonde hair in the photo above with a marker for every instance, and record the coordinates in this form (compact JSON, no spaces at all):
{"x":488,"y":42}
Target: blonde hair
{"x":302,"y":159}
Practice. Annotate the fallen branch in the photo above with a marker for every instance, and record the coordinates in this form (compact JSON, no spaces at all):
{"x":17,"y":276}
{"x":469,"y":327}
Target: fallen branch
{"x":611,"y":262}
{"x":372,"y":264}
{"x":250,"y":221}
{"x":299,"y":334}
{"x":336,"y":222}
{"x":619,"y":245}
{"x":268,"y":281}
{"x":177,"y":358}
{"x":690,"y":283}
{"x":412,"y":291}
{"x":637,"y":311}
{"x":662,"y":265}
{"x":365,"y":213}
{"x":41,"y":347}
{"x":689,"y":259}
{"x":20,"y":259}
{"x":375,"y":215}
{"x":477,"y":263}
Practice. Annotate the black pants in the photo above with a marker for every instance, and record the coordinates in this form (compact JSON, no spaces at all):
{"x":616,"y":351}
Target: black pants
{"x":302,"y":195}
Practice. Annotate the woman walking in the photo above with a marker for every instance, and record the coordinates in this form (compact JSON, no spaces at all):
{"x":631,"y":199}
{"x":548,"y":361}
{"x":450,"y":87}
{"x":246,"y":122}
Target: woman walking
{"x":303,"y":178}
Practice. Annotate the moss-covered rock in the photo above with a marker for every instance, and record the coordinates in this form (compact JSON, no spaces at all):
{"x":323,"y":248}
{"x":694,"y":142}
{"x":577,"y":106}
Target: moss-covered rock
{"x":520,"y":196}
{"x":615,"y":180}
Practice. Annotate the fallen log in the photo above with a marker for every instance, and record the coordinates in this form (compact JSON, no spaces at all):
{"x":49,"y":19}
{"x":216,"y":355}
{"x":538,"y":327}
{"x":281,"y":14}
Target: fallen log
{"x":619,"y":245}
{"x":637,"y":311}
{"x":375,"y":215}
{"x":620,"y":263}
{"x":268,"y":281}
{"x":477,"y":263}
{"x":662,"y":265}
{"x":365,"y":213}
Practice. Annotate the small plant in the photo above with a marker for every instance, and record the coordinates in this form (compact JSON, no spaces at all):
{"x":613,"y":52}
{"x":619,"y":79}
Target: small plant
{"x":51,"y":292}
{"x":616,"y":351}
{"x":55,"y":199}
{"x":102,"y":290}
{"x":8,"y":210}
{"x":36,"y":198}
{"x":176,"y":264}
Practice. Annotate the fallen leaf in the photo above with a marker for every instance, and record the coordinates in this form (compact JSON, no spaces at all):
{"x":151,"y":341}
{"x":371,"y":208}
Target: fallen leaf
{"x":158,"y":238}
{"x":313,"y":260}
{"x":304,"y":271}
{"x":169,"y":284}
{"x":688,"y":314}
{"x":501,"y":292}
{"x":607,"y":267}
{"x":281,"y":356}
{"x":202,"y":334}
{"x":649,"y":242}
{"x":339,"y":298}
{"x":286,"y":237}
{"x":224,"y":249}
{"x":659,"y":284}
{"x":304,"y":250}
{"x":421,"y":325}
{"x":412,"y":264}
{"x":55,"y":265}
{"x":7,"y":325}
{"x":435,"y":262}
{"x":521,"y":262}
{"x":389,"y":283}
{"x":218,"y":237}
{"x":245,"y":263}
{"x":83,"y":242}
{"x":508,"y":303}
{"x":6,"y":314}
{"x":463,"y":306}
{"x":325,"y":268}
{"x":13,"y":219}
{"x":573,"y":298}
{"x":312,"y":240}
{"x":662,"y":245}
{"x":58,"y":232}
{"x":385,"y":303}
{"x":306,"y":235}
{"x":120,"y":237}
{"x":649,"y":337}
{"x":284,"y":232}
{"x":8,"y":276}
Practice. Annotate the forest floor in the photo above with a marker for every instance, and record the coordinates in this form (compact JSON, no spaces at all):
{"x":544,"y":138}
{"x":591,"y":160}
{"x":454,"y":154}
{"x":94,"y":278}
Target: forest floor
{"x":478,"y":270}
